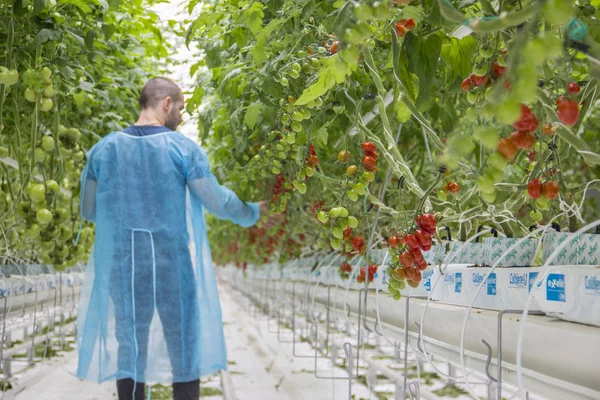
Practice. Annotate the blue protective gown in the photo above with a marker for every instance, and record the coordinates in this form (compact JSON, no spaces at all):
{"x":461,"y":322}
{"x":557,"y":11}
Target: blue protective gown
{"x":149,"y":307}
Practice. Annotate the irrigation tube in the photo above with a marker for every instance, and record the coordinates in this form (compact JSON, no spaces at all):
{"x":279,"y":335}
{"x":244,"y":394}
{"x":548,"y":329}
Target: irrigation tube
{"x":539,"y":278}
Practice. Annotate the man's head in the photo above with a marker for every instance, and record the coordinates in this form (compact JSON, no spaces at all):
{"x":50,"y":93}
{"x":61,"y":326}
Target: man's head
{"x":164,"y":99}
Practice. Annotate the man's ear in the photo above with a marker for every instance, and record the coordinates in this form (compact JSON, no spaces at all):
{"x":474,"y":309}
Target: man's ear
{"x":166,"y":102}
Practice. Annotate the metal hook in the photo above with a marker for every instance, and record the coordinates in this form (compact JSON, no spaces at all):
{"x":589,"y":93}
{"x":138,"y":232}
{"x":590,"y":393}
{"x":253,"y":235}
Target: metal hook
{"x":488,"y":361}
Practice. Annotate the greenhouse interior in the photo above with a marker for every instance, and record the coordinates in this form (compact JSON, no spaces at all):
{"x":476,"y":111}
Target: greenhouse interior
{"x":299,"y":199}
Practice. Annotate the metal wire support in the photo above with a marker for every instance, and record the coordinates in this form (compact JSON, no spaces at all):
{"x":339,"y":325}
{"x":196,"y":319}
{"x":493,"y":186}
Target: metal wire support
{"x":499,"y":344}
{"x":406,"y":318}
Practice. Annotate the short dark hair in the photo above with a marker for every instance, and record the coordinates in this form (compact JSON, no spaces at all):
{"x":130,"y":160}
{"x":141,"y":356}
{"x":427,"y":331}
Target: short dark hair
{"x":158,"y":89}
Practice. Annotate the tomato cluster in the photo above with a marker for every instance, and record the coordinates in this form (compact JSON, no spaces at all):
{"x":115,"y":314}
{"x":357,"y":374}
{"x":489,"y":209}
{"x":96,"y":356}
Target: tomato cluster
{"x":549,"y":189}
{"x":367,"y":274}
{"x":404,"y":25}
{"x":369,"y":161}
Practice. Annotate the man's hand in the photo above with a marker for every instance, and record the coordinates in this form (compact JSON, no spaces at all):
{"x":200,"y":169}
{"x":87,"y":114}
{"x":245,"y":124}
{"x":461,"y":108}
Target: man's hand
{"x":273,"y":219}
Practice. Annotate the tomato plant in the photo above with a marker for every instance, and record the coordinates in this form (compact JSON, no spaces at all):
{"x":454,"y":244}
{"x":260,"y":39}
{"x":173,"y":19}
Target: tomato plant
{"x":412,"y":107}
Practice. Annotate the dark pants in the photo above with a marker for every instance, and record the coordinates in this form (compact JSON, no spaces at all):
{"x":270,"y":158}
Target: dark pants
{"x":181,"y":391}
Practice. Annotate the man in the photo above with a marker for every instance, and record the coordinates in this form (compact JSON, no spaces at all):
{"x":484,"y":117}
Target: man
{"x":150,"y":311}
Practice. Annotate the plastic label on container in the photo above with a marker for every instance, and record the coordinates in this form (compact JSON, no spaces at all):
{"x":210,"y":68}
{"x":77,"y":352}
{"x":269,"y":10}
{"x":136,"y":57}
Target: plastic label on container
{"x":517,"y":280}
{"x":555,"y":288}
{"x":477,"y":278}
{"x":427,"y":284}
{"x":532,"y":277}
{"x":458,"y":282}
{"x":592,"y":285}
{"x":491,"y":284}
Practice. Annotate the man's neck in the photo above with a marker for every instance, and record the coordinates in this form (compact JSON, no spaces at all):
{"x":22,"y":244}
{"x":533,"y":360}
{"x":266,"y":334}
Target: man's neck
{"x":148,"y":118}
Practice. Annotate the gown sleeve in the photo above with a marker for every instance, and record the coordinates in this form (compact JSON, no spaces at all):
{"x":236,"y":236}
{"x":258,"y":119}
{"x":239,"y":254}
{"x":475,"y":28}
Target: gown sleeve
{"x":87,"y":201}
{"x":217,"y":199}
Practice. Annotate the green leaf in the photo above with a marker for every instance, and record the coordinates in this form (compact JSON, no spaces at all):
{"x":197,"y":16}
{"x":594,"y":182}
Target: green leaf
{"x":89,"y":39}
{"x":47,"y":35}
{"x":403,"y":114}
{"x":253,"y":113}
{"x":334,"y":70}
{"x":322,"y":135}
{"x":413,"y":12}
{"x":458,"y":55}
{"x":205,"y":19}
{"x":258,"y":51}
{"x":254,"y":17}
{"x":423,"y":56}
{"x":81,"y":4}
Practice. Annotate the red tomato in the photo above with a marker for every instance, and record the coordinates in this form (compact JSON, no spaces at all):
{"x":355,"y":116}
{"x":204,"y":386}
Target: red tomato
{"x":372,"y":269}
{"x":453,"y":187}
{"x":548,"y":130}
{"x":523,"y":140}
{"x":568,"y":112}
{"x":408,"y":23}
{"x":369,"y":148}
{"x":393,"y":241}
{"x":411,"y":241}
{"x":334,"y":47}
{"x":573,"y":88}
{"x":534,"y":188}
{"x":531,"y":156}
{"x":507,"y":148}
{"x":400,"y":29}
{"x":499,"y":70}
{"x":550,"y":189}
{"x":477,"y":80}
{"x":369,"y":163}
{"x":466,"y":85}
{"x":528,"y":121}
{"x":406,"y":259}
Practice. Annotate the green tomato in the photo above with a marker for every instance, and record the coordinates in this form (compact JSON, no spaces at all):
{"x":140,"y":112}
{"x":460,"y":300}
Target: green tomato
{"x":397,"y":296}
{"x":368,"y":176}
{"x":318,"y":102}
{"x":275,"y":171}
{"x":497,"y":161}
{"x":8,"y":77}
{"x":65,"y":234}
{"x":52,"y":186}
{"x":285,"y":119}
{"x":306,"y":113}
{"x":296,"y":126}
{"x":33,"y":231}
{"x":486,"y":52}
{"x":40,"y":155}
{"x":300,"y":186}
{"x":281,"y":155}
{"x":298,"y":116}
{"x":46,"y":105}
{"x":338,"y":232}
{"x":360,"y":189}
{"x":442,"y":195}
{"x":486,"y":184}
{"x":284,"y":81}
{"x":335,"y":212}
{"x":335,"y":243}
{"x":309,"y":171}
{"x":535,"y":215}
{"x":472,"y":97}
{"x":46,"y":74}
{"x":290,"y":138}
{"x":48,"y":143}
{"x":48,"y":91}
{"x":352,"y":222}
{"x":310,"y":105}
{"x":488,"y":197}
{"x":30,"y":95}
{"x":296,"y":67}
{"x":471,"y":114}
{"x":543,"y":203}
{"x":37,"y":193}
{"x":509,"y":111}
{"x":323,"y":217}
{"x":294,"y":74}
{"x":343,"y":212}
{"x":314,"y":63}
{"x":44,"y":216}
{"x":352,"y":195}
